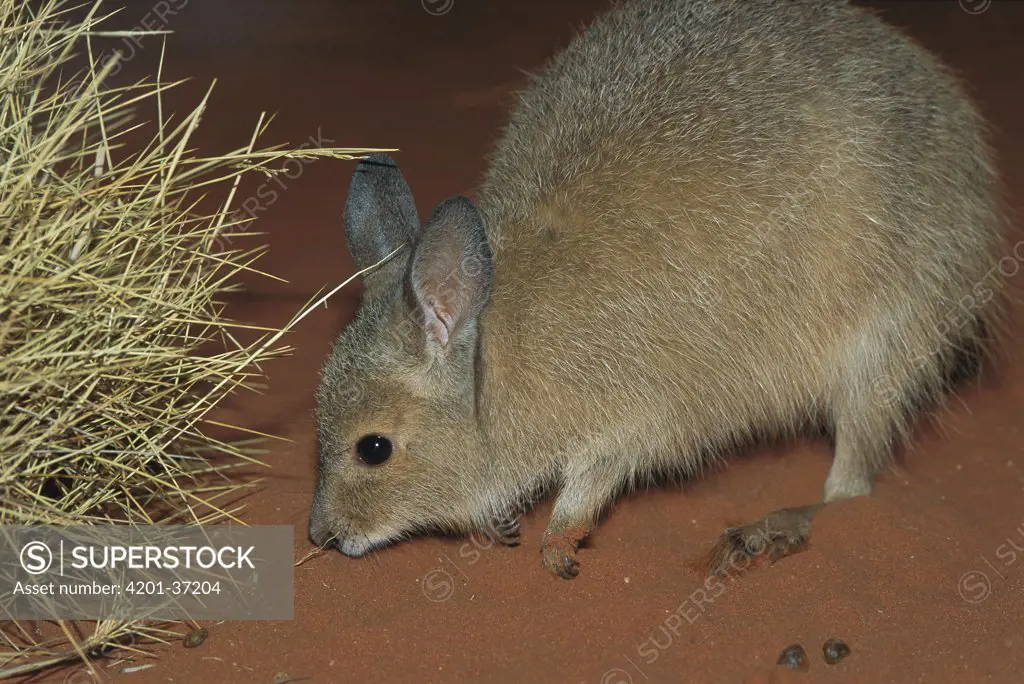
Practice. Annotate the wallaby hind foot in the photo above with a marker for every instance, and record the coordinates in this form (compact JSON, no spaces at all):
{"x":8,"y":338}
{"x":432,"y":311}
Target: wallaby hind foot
{"x":779,"y":534}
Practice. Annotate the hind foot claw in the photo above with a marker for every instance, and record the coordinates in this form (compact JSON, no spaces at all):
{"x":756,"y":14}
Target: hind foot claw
{"x":505,"y":532}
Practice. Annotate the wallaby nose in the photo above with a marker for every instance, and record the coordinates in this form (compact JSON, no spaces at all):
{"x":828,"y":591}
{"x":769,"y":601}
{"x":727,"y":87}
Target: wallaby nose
{"x":320,"y":530}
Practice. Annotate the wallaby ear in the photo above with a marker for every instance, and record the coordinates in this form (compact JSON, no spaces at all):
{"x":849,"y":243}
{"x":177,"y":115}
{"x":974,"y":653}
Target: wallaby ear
{"x":380,"y":213}
{"x":451,"y":272}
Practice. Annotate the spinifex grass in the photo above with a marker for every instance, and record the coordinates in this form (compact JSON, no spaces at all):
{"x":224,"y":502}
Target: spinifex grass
{"x":109,"y":279}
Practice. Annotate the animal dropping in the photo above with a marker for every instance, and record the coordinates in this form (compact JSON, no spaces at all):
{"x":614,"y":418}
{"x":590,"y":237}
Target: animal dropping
{"x":795,"y":658}
{"x":834,"y":650}
{"x":196,"y":638}
{"x":707,"y":221}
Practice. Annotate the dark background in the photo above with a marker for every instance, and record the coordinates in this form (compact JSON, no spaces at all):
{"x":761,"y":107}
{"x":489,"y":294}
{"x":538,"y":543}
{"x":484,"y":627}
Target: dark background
{"x":883,"y":573}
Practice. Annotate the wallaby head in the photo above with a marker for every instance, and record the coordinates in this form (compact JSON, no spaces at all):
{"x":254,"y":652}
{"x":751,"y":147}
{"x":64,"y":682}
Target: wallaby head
{"x":395,"y":416}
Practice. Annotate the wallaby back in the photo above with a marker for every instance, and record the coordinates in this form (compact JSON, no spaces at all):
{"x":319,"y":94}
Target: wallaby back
{"x":708,"y":215}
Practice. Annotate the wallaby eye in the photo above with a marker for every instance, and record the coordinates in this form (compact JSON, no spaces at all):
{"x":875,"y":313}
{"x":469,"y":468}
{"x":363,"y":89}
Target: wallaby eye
{"x":374,"y":449}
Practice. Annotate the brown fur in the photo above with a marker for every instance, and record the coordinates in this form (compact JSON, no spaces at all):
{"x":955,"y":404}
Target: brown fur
{"x":707,"y":219}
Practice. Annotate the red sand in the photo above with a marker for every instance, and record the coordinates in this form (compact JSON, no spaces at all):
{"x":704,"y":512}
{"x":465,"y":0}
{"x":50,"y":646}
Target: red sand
{"x":917,"y":579}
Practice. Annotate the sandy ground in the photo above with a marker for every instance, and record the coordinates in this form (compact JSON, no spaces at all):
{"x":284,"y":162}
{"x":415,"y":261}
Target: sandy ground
{"x":920,"y":580}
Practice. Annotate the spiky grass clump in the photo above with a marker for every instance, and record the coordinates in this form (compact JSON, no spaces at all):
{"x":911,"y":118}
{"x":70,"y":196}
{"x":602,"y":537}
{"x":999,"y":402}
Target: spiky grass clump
{"x":109,"y":279}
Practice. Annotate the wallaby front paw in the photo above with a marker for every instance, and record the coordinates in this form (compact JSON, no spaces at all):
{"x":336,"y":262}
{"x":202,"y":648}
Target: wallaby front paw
{"x":560,"y":560}
{"x":559,"y":552}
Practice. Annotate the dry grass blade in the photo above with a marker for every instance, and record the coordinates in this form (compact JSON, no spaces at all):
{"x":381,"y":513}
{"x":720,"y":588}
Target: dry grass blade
{"x":109,"y":278}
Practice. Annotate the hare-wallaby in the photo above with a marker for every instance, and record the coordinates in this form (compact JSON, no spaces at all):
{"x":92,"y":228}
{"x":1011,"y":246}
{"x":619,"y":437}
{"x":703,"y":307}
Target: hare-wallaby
{"x":706,"y":220}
